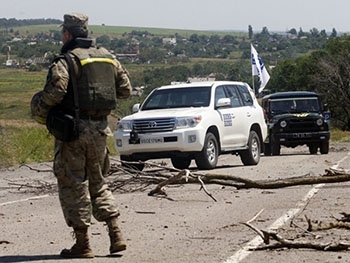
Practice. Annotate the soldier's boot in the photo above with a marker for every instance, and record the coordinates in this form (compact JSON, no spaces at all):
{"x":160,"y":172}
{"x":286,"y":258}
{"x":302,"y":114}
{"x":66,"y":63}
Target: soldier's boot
{"x":81,"y":248}
{"x":117,"y":241}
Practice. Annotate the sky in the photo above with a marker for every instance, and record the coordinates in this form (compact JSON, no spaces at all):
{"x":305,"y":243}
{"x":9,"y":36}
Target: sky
{"x":217,"y":15}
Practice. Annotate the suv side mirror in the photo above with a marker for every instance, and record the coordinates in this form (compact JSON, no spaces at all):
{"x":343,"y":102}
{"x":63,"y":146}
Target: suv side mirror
{"x":223,"y":102}
{"x":136,"y":107}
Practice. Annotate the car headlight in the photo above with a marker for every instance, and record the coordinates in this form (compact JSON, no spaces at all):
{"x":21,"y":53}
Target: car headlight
{"x":283,"y":124}
{"x":125,"y":126}
{"x":319,"y":122}
{"x":187,"y":122}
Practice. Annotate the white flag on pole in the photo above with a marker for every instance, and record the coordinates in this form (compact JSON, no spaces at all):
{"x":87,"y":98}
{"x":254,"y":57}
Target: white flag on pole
{"x":258,"y":69}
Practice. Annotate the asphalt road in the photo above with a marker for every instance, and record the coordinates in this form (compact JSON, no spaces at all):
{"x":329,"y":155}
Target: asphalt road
{"x":187,"y":225}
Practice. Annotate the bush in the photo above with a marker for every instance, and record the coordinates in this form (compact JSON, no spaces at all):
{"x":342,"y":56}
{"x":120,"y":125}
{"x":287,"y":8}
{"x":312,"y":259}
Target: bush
{"x":34,"y":68}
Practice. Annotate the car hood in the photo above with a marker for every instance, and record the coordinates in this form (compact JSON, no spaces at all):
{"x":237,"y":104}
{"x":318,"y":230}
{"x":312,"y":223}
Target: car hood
{"x":166,"y":113}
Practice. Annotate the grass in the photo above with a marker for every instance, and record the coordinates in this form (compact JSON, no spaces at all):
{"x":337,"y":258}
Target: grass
{"x":340,"y":136}
{"x":30,"y":144}
{"x":22,"y":140}
{"x":16,"y":90}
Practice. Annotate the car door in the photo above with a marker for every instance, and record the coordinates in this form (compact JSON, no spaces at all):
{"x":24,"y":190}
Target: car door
{"x":231,"y":130}
{"x":248,"y":110}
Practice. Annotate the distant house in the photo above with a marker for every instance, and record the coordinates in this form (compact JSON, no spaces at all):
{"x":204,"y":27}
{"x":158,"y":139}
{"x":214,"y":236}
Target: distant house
{"x":169,"y":41}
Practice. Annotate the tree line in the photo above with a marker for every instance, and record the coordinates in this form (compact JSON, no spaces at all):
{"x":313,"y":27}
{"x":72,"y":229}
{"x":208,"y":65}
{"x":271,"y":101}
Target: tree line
{"x":13,"y":22}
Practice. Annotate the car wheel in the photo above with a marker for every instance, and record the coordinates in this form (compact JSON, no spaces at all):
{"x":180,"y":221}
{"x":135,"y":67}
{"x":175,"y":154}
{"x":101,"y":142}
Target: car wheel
{"x":313,"y":147}
{"x":135,"y":166}
{"x":275,"y":149}
{"x":324,"y":147}
{"x":208,"y":157}
{"x":180,"y":162}
{"x":267,"y":149}
{"x":252,"y":155}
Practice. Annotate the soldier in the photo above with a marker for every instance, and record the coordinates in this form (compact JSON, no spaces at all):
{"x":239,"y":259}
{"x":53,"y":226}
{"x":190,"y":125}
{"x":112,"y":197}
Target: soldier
{"x":81,"y":163}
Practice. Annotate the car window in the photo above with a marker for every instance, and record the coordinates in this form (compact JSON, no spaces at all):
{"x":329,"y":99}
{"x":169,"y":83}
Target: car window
{"x":245,"y":95}
{"x":234,"y":96}
{"x":219,"y":93}
{"x":178,"y":98}
{"x":308,"y":105}
{"x":294,"y":105}
{"x":281,"y":106}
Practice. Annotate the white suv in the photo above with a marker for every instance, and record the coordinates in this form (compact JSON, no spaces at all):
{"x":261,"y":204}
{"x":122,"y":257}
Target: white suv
{"x":196,"y":121}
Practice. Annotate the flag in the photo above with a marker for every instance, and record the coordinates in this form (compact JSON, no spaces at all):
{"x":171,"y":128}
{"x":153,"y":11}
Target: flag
{"x":258,"y":69}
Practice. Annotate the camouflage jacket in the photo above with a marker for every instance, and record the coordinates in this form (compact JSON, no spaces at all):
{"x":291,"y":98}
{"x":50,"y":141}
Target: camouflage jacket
{"x":57,"y":81}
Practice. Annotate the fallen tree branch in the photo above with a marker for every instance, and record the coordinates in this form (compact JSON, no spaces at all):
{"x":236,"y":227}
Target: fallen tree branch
{"x":281,"y":242}
{"x":177,"y":178}
{"x":331,"y":246}
{"x":326,"y":226}
{"x":163,"y":175}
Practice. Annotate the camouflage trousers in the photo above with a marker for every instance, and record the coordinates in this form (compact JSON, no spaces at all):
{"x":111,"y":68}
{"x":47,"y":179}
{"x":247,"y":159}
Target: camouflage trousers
{"x":80,"y":167}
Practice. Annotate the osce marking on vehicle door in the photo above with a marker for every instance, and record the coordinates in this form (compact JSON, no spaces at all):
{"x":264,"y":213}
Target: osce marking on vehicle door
{"x":228,"y":119}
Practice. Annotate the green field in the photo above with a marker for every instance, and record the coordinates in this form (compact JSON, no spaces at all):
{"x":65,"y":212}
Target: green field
{"x":22,"y":140}
{"x":117,"y":31}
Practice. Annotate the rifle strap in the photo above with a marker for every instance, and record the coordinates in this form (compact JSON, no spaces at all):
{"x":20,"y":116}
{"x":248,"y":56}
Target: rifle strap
{"x":73,"y":80}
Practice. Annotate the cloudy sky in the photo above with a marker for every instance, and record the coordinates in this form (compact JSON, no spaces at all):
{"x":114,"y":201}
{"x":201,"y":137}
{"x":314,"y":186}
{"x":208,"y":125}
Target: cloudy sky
{"x":276,"y":15}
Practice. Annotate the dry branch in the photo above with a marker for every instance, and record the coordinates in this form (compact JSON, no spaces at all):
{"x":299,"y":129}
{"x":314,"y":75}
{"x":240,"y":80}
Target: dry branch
{"x":326,"y":226}
{"x":130,"y":180}
{"x":281,"y":242}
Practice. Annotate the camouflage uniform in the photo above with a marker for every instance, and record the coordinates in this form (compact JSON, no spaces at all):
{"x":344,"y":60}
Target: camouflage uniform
{"x":80,"y":165}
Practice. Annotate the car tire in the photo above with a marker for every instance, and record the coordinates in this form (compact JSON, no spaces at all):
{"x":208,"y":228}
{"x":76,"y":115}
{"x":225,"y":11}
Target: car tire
{"x":134,"y":166}
{"x":313,"y":147}
{"x":324,"y":147}
{"x":180,"y":162}
{"x":275,"y":149}
{"x":208,"y":157}
{"x":251,"y":156}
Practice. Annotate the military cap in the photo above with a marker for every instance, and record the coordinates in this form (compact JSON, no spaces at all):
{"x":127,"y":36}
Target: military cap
{"x":75,"y":20}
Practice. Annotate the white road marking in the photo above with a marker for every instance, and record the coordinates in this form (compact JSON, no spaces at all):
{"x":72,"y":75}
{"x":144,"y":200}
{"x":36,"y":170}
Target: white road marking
{"x":257,"y":241}
{"x":23,"y":200}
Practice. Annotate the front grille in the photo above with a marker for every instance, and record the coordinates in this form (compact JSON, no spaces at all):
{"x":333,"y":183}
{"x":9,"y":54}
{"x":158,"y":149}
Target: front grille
{"x":302,"y":125}
{"x":154,"y":125}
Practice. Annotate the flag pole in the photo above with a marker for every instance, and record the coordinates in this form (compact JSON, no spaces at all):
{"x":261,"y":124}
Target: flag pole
{"x":251,"y":62}
{"x":253,"y":83}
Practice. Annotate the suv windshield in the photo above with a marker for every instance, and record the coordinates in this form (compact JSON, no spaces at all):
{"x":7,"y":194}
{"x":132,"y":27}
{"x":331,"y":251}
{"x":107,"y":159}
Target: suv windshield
{"x":289,"y":105}
{"x":178,"y":98}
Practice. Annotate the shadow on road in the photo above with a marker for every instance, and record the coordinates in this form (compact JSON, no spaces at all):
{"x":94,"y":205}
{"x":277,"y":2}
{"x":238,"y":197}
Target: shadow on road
{"x":44,"y":258}
{"x":25,"y":258}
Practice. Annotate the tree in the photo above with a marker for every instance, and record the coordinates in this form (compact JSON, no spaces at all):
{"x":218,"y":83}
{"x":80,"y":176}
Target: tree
{"x":104,"y":40}
{"x":326,"y":72}
{"x":293,"y":31}
{"x":334,"y":33}
{"x":250,"y":32}
{"x":334,"y":79}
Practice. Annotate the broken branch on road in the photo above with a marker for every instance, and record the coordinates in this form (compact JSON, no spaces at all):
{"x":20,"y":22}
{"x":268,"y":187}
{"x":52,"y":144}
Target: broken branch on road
{"x":281,"y":242}
{"x":125,"y":179}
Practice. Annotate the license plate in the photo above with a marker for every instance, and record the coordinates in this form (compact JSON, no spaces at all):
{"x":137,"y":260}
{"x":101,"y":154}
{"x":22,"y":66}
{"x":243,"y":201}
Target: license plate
{"x":301,"y":135}
{"x":151,"y":140}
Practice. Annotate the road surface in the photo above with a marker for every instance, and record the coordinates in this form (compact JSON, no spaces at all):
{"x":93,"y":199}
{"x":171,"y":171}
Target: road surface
{"x":187,"y":225}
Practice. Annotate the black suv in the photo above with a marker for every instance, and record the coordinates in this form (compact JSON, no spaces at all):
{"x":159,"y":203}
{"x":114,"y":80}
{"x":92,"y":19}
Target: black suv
{"x":295,"y":118}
